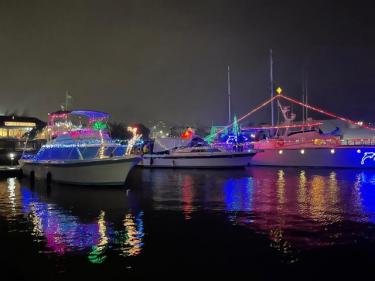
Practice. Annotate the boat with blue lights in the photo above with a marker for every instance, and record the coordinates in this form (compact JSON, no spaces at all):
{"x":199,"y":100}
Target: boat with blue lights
{"x":80,"y":151}
{"x":198,"y":154}
{"x":305,"y":144}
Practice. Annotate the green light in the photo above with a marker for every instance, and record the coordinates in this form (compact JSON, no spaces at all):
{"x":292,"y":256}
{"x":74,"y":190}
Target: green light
{"x":210,"y":138}
{"x":235,"y":128}
{"x":98,"y":125}
{"x":96,"y":256}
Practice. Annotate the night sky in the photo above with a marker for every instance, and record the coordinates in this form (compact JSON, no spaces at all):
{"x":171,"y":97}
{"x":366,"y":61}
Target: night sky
{"x":143,"y":61}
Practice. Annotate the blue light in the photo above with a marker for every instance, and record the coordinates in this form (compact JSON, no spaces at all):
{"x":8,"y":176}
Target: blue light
{"x":238,"y":194}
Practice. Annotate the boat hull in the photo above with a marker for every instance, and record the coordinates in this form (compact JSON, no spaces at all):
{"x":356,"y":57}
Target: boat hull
{"x":209,"y":161}
{"x":94,"y":172}
{"x":338,"y":157}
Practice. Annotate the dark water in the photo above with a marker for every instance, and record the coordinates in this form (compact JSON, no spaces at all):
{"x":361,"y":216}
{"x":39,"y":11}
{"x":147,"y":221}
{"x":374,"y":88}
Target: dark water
{"x":255,"y":224}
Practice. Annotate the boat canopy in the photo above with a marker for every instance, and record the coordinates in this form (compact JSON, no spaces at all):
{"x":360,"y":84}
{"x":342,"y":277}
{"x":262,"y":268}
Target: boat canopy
{"x":78,"y":123}
{"x":90,"y":114}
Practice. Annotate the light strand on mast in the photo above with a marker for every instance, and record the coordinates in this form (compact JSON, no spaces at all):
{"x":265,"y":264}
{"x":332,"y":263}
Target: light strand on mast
{"x":248,"y":114}
{"x":305,"y":105}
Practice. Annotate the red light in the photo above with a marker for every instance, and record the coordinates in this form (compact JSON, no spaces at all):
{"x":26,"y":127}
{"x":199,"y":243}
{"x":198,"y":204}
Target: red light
{"x":188,"y":134}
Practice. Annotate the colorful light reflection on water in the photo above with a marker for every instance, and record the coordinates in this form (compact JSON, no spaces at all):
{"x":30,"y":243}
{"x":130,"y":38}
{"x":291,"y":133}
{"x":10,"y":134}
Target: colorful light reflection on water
{"x":294,"y":210}
{"x":64,"y":232}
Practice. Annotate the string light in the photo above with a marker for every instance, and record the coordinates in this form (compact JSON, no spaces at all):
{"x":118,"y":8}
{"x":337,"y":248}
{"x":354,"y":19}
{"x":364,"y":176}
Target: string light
{"x":285,"y":126}
{"x":135,"y":138}
{"x":326,"y":112}
{"x":99,"y":125}
{"x":247,"y":114}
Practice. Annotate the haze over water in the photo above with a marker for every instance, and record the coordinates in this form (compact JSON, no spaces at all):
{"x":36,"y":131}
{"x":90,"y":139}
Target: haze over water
{"x":257,"y":222}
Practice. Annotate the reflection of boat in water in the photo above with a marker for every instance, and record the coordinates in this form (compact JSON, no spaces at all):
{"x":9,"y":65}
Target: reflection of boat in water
{"x":91,"y":230}
{"x":198,"y":154}
{"x":80,"y":152}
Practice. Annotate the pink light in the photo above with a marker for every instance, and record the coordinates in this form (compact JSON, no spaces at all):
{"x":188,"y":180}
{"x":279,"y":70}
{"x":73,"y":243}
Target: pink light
{"x":285,"y":126}
{"x":325,"y":112}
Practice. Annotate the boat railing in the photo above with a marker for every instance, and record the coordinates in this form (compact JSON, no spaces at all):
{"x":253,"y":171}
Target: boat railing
{"x":358,"y":141}
{"x":317,"y":142}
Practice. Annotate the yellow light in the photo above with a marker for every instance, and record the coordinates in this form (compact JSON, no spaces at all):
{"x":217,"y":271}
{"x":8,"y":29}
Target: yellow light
{"x":302,"y":151}
{"x":280,"y":152}
{"x":279,"y":90}
{"x":332,"y":151}
{"x":19,"y":124}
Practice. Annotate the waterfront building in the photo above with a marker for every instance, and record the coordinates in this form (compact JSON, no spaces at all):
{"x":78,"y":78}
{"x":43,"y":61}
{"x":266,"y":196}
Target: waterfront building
{"x":17,"y":127}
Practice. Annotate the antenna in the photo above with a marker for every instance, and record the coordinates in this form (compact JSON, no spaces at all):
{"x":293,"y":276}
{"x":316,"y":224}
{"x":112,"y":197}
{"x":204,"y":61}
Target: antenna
{"x":272,"y":90}
{"x":229,"y":101}
{"x":67,"y":98}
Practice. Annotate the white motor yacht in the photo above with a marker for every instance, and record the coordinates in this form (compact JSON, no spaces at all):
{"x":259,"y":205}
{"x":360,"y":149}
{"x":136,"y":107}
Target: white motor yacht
{"x":80,"y":151}
{"x":197,"y":156}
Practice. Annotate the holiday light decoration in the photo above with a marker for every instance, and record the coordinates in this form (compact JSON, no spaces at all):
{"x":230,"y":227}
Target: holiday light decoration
{"x":248,"y":114}
{"x":99,"y":125}
{"x":280,"y":95}
{"x":315,"y":124}
{"x":136,"y":137}
{"x":235,"y":128}
{"x":327,"y":113}
{"x":367,"y":155}
{"x":188,"y":134}
{"x":211,"y":137}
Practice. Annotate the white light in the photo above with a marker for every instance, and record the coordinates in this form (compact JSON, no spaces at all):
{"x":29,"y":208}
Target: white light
{"x":252,"y":135}
{"x":12,"y":155}
{"x":332,"y":151}
{"x":280,"y":152}
{"x":302,"y":151}
{"x":358,"y":151}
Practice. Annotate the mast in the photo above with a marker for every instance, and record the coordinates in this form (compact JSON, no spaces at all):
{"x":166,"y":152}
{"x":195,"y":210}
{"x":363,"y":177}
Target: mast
{"x":303,"y":95}
{"x":272,"y":90}
{"x":229,"y":101}
{"x":306,"y":102}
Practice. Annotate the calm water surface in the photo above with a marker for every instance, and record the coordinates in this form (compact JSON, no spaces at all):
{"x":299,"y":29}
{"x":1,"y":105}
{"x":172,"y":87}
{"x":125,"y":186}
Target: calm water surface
{"x":257,"y":223}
